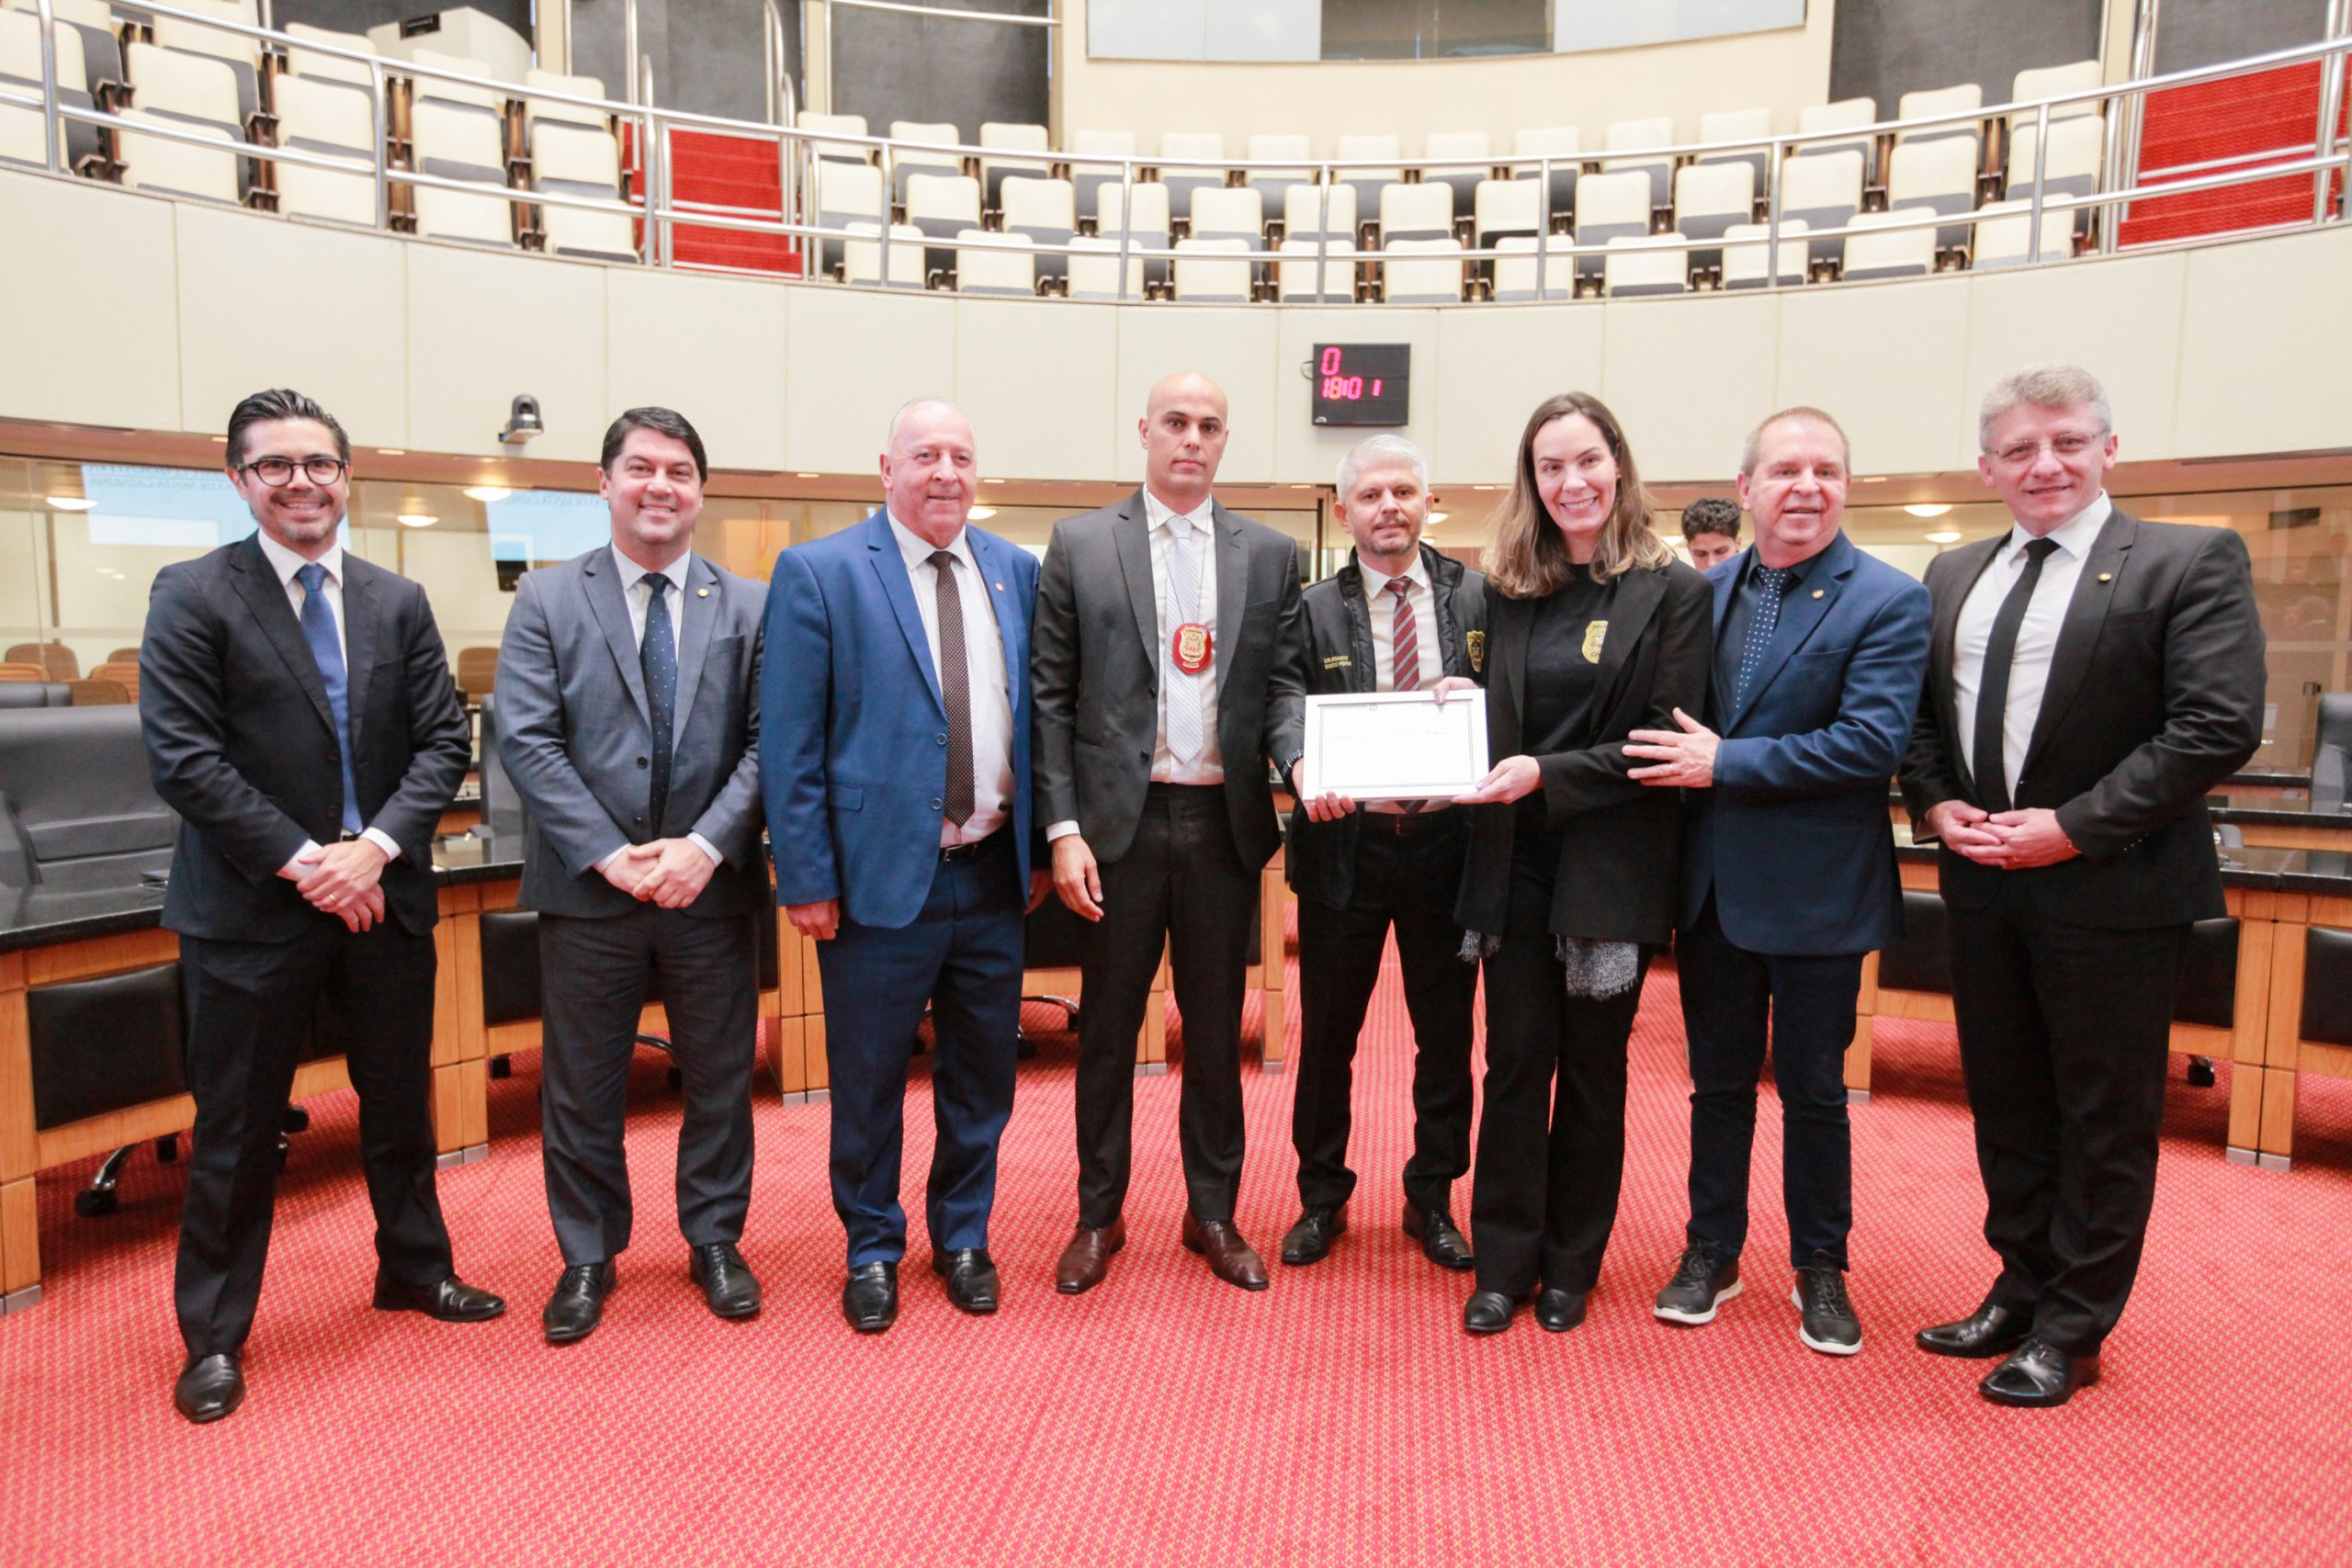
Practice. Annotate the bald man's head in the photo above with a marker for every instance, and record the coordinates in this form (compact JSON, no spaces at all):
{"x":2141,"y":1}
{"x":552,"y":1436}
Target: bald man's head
{"x":1183,"y":431}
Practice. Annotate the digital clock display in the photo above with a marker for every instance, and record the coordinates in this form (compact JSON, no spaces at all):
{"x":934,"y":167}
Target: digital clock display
{"x":1361,"y":383}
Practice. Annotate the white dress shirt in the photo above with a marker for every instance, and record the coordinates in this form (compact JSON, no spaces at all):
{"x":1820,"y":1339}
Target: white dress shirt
{"x":991,"y":697}
{"x":1208,"y":768}
{"x":285,"y":563}
{"x":1380,"y":605}
{"x":2037,"y":634}
{"x":637,"y":594}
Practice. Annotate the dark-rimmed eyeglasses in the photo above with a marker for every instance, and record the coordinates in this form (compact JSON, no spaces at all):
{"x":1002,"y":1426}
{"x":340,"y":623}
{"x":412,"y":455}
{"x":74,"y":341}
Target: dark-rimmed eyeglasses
{"x":280,"y":470}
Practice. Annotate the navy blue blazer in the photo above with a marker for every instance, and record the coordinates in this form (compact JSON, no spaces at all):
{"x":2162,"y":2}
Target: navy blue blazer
{"x":1793,"y":839}
{"x":852,"y":729}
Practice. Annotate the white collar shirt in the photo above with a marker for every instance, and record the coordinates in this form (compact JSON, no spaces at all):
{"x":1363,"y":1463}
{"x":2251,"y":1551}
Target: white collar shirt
{"x":2037,"y":634}
{"x":1208,"y":768}
{"x":985,"y":682}
{"x":640,"y":597}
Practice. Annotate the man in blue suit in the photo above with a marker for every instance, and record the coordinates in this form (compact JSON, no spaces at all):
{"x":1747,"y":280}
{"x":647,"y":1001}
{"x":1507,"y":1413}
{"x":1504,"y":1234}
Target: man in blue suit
{"x":1787,"y":864}
{"x":894,"y":755}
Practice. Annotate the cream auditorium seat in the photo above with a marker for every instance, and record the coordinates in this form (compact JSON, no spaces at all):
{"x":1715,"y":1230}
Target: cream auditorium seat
{"x":980,"y":269}
{"x":1846,"y":114}
{"x":1368,"y":182}
{"x":239,"y":51}
{"x":1903,"y":253}
{"x":1515,"y":272}
{"x":2077,"y":148}
{"x":1630,"y":273}
{"x":1474,"y":149}
{"x":92,"y":22}
{"x":536,"y":109}
{"x":1956,"y":100}
{"x":840,"y":125}
{"x":570,"y":159}
{"x":1825,"y":189}
{"x":1422,"y":211}
{"x":1562,"y":143}
{"x":1739,"y":125}
{"x":1708,"y":200}
{"x":862,"y":256}
{"x":1274,"y":184}
{"x":1503,"y":208}
{"x":942,"y":206}
{"x":1004,"y":137}
{"x":1180,"y":183}
{"x":846,"y":192}
{"x":1744,"y":261}
{"x":1090,"y":178}
{"x":1309,"y":210}
{"x":21,"y":137}
{"x":487,"y":99}
{"x":1421,"y":272}
{"x":189,"y":92}
{"x":1938,"y":172}
{"x":1213,"y":271}
{"x":1610,"y":207}
{"x":1634,"y":136}
{"x":1043,"y":211}
{"x":1094,"y":271}
{"x":1146,"y":227}
{"x":329,"y":119}
{"x":1230,"y":212}
{"x":906,"y":164}
{"x":460,"y":141}
{"x":318,"y":67}
{"x":2003,"y":231}
{"x":2046,"y":81}
{"x":1300,"y":263}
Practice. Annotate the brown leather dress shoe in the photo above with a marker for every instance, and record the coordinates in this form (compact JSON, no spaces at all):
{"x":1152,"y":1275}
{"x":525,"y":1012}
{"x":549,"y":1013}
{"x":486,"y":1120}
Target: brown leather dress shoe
{"x":1088,"y":1257}
{"x":1231,"y":1259}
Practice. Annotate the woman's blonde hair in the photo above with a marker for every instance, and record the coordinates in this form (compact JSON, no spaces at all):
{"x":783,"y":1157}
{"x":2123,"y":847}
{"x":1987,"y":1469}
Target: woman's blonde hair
{"x":1525,"y":557}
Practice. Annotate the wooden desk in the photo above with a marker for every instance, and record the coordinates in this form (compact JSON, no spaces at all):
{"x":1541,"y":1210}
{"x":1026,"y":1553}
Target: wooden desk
{"x":2271,"y":1137}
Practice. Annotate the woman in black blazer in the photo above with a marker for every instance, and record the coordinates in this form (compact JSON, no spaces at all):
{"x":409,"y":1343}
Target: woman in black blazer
{"x":1594,"y":629}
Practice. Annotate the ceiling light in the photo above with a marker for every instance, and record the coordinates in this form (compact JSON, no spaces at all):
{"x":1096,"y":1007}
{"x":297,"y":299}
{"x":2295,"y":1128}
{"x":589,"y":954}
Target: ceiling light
{"x":391,"y":451}
{"x":488,"y":492}
{"x":1927,"y":508}
{"x":981,"y":513}
{"x":1944,"y":536}
{"x":417,"y":520}
{"x":221,"y":439}
{"x":1873,"y":478}
{"x":808,"y":476}
{"x":69,"y":502}
{"x":1436,"y":518}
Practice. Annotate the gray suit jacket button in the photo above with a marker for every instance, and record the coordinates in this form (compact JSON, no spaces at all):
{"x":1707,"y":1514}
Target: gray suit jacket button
{"x":642,"y":762}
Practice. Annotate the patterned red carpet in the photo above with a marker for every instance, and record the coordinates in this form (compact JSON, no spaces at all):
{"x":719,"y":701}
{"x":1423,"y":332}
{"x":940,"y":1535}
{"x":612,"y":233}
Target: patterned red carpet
{"x":1341,"y":1417}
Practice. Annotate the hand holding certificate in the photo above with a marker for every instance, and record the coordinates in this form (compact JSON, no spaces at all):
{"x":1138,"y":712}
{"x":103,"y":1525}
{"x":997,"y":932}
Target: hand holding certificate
{"x":1392,"y":746}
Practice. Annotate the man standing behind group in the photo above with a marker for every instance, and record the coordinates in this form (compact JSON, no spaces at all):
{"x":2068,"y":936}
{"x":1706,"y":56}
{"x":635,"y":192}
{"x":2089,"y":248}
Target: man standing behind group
{"x":1167,"y":645}
{"x":1711,"y":531}
{"x":2093,"y":676}
{"x":298,"y":717}
{"x":1397,"y":618}
{"x":626,"y":692}
{"x":894,"y":755}
{"x":1787,"y":865}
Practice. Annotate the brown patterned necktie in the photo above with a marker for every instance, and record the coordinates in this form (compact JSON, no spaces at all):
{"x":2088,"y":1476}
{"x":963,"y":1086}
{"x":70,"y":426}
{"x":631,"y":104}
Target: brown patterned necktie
{"x":1403,"y":653}
{"x":954,"y":688}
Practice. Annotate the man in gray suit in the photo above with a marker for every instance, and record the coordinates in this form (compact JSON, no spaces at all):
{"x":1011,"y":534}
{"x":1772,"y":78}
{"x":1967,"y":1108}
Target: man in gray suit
{"x":627,"y":697}
{"x":1164,"y":677}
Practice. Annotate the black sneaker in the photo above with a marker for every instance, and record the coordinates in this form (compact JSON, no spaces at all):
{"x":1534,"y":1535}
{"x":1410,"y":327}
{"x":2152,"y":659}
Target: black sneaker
{"x":1702,"y":1281}
{"x":1828,"y":1325}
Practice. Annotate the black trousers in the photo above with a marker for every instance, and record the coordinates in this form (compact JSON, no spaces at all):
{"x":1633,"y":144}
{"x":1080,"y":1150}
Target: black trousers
{"x":2065,"y":1035}
{"x":1733,"y":1000}
{"x":253,"y":1005}
{"x":595,"y":978}
{"x":1181,"y":882}
{"x":1411,"y":883}
{"x":1551,"y":1136}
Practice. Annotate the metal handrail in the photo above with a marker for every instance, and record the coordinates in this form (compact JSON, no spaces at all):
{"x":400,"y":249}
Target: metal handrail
{"x":946,"y":15}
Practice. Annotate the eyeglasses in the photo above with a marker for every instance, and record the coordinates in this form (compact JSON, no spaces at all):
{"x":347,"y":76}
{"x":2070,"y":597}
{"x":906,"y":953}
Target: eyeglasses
{"x":2067,"y":446}
{"x":274,"y":471}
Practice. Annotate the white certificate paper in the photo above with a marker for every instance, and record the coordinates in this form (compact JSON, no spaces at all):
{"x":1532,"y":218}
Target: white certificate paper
{"x":1396,"y":745}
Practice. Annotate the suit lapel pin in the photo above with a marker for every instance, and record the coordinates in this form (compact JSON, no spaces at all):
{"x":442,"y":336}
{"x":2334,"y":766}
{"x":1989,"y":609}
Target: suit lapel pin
{"x":2106,"y":577}
{"x":702,"y":592}
{"x":1817,"y":592}
{"x":998,"y":586}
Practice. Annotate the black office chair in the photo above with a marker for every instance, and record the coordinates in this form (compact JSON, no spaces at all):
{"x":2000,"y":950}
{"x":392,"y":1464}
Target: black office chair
{"x":2332,"y":751}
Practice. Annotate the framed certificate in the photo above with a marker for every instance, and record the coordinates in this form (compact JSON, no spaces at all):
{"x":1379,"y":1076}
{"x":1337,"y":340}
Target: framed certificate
{"x":1396,"y":745}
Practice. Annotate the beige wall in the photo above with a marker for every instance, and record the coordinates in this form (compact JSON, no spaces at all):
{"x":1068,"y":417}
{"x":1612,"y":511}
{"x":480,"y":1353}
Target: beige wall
{"x":1783,"y":71}
{"x":135,"y":312}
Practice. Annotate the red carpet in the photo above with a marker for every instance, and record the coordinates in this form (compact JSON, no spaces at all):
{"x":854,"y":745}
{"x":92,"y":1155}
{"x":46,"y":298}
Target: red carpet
{"x":1341,"y":1417}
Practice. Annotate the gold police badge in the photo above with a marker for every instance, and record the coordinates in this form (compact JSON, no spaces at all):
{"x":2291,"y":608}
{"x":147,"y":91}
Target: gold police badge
{"x":1475,"y":643}
{"x":1594,"y":635}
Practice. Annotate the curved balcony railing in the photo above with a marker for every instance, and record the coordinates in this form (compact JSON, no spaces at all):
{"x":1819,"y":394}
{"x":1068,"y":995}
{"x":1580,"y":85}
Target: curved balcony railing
{"x":2326,"y":159}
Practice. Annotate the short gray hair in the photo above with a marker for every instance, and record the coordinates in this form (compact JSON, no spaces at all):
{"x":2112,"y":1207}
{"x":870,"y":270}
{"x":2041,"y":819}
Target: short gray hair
{"x":1800,"y":410}
{"x":1373,"y":452}
{"x":890,"y":441}
{"x":2045,"y":386}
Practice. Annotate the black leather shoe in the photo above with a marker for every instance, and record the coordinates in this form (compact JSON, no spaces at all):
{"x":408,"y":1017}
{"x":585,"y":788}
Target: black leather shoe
{"x":1487,"y":1312}
{"x":1559,"y":1311}
{"x":971,"y":1273}
{"x":450,"y":1300}
{"x":1309,"y":1241}
{"x":1991,"y":1330}
{"x":1442,"y":1244}
{"x":726,"y":1281}
{"x":2038,"y":1376}
{"x":1826,"y":1321}
{"x":870,"y":1299}
{"x":210,"y":1386}
{"x":578,"y":1304}
{"x":1702,"y":1281}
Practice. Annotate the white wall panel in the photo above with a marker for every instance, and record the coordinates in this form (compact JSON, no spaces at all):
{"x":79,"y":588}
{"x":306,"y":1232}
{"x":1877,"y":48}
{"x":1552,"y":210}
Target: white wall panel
{"x":712,"y":348}
{"x":1887,"y":359}
{"x":487,"y":327}
{"x":1038,"y":381}
{"x":1491,"y":368}
{"x":1234,"y":348}
{"x":2117,"y":319}
{"x":87,"y":290}
{"x":857,"y":354}
{"x":330,"y":317}
{"x":2266,"y":347}
{"x":1688,"y":378}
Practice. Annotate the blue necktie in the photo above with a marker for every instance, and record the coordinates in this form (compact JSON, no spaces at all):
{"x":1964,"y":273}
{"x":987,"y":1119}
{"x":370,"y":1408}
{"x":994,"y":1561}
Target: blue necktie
{"x":318,"y":629}
{"x":1771,"y":581}
{"x":658,"y":658}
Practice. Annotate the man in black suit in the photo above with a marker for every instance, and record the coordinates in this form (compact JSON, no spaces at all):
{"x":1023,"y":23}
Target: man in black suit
{"x":1164,"y":676}
{"x":1397,"y":618}
{"x":2091,"y":677}
{"x":300,"y":718}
